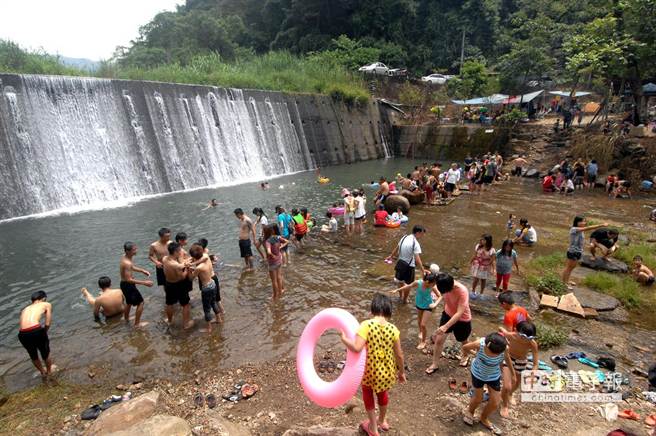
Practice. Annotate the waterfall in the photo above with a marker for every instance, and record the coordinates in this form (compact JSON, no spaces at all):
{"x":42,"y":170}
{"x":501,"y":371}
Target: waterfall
{"x":74,"y":142}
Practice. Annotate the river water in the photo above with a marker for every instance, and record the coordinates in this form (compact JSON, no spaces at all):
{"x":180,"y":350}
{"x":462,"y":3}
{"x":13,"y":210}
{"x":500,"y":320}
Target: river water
{"x":63,"y":253}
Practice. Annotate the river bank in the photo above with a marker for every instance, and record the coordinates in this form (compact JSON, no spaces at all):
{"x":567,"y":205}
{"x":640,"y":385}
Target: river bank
{"x":258,"y":340}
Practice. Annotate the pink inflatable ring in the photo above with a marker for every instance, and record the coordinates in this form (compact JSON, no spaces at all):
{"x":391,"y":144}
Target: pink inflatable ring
{"x":340,"y":391}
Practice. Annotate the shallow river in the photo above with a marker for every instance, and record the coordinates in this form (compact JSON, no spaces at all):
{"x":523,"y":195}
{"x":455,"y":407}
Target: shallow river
{"x":61,"y":254}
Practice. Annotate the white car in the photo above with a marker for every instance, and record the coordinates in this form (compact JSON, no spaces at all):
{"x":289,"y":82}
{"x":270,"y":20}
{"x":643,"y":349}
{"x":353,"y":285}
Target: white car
{"x":375,"y":68}
{"x":436,"y":79}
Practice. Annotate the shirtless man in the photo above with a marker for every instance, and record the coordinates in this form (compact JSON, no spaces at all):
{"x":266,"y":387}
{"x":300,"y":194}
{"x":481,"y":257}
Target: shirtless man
{"x":518,"y":165}
{"x":33,"y":336}
{"x":110,"y":301}
{"x":246,"y":236}
{"x":157,"y":252}
{"x":208,"y":290}
{"x":176,"y":287}
{"x":383,"y":191}
{"x":212,"y":258}
{"x":129,"y":284}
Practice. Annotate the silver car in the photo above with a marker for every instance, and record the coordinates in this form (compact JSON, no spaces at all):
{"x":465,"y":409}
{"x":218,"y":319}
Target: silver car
{"x":375,"y":68}
{"x":436,"y":79}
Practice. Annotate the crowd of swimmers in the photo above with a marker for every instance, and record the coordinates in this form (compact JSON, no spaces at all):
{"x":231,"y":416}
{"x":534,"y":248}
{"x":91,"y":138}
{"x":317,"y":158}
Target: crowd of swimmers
{"x":498,"y":358}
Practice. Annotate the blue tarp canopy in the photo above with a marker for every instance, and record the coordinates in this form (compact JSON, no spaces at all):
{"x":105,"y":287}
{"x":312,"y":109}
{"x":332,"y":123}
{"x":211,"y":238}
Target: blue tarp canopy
{"x":493,"y":99}
{"x":649,"y":88}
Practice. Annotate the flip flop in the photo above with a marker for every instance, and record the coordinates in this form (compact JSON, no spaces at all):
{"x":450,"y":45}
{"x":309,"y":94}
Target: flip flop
{"x":584,"y":377}
{"x":575,"y":355}
{"x":588,"y":362}
{"x":493,"y":428}
{"x":248,"y":391}
{"x":92,"y":412}
{"x":199,"y":400}
{"x":651,"y":420}
{"x":629,"y":414}
{"x":364,"y":426}
{"x":452,"y":384}
{"x":560,"y":361}
{"x":106,"y":404}
{"x":464,"y":388}
{"x":211,"y":401}
{"x":430,"y":370}
{"x":384,"y":426}
{"x":468,"y":419}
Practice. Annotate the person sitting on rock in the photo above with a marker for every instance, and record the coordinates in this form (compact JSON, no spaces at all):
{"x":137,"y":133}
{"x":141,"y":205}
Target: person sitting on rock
{"x":604,"y":240}
{"x":641,"y":273}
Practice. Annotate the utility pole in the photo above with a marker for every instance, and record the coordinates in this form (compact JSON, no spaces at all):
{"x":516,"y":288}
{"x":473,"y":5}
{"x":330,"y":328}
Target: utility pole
{"x":462,"y":50}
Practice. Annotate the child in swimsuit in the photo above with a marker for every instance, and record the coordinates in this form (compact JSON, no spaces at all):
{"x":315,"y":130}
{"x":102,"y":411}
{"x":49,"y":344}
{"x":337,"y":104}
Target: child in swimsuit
{"x":520,"y":343}
{"x":491,"y":352}
{"x":424,"y":302}
{"x":384,"y":361}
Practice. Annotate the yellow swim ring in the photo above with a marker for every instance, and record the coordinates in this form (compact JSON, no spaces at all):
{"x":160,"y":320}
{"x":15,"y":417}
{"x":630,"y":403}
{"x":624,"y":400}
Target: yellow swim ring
{"x":323,"y":180}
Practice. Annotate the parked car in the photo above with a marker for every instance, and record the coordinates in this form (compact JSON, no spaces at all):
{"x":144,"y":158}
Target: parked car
{"x":375,"y":68}
{"x":397,"y":72}
{"x":436,"y":79}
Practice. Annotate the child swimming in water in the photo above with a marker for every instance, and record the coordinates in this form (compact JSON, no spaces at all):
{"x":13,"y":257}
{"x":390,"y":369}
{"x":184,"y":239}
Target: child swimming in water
{"x":384,"y":361}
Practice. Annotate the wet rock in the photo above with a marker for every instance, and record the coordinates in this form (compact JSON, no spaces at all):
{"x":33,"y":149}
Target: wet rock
{"x":414,"y":197}
{"x":596,"y":300}
{"x":617,"y":316}
{"x":125,"y":415}
{"x":222,"y":427}
{"x":318,"y":430}
{"x":395,"y":201}
{"x":532,"y":173}
{"x":158,"y":425}
{"x":600,"y":264}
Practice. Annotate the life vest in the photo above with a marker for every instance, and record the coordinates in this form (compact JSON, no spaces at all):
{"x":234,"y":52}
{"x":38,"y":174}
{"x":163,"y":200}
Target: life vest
{"x":300,"y":227}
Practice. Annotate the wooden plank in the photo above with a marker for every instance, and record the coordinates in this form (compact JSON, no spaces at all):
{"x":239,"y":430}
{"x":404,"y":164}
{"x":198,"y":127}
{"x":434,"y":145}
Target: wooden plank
{"x":549,"y":301}
{"x":570,"y":304}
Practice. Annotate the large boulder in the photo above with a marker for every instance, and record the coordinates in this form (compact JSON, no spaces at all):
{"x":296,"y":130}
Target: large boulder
{"x":414,"y":197}
{"x":600,"y":264}
{"x":596,"y":300}
{"x":395,"y":201}
{"x":124,"y":415}
{"x":532,"y":173}
{"x":158,"y":425}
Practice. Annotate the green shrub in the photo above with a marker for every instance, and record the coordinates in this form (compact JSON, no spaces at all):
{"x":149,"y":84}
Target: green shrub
{"x":550,"y":336}
{"x":550,"y":283}
{"x":624,"y":288}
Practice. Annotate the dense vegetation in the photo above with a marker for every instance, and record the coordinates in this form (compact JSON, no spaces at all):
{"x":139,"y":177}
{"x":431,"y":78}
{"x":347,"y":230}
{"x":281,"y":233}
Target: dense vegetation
{"x":521,"y":39}
{"x":233,"y":42}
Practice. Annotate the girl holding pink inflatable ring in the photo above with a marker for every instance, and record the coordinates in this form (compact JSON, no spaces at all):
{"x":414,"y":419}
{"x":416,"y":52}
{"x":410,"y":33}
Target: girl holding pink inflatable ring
{"x":384,"y":361}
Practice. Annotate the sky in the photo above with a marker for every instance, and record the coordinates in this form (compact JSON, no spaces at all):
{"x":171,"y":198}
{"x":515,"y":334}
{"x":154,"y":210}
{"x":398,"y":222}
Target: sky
{"x":77,"y":28}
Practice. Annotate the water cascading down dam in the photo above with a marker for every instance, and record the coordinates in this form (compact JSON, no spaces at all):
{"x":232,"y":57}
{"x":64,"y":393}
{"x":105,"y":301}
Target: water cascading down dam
{"x":70,"y":142}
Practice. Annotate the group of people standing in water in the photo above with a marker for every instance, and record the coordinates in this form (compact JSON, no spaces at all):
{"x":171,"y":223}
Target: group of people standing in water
{"x":498,"y":358}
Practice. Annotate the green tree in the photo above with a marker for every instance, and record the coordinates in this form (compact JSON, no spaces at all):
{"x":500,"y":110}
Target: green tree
{"x":472,"y":82}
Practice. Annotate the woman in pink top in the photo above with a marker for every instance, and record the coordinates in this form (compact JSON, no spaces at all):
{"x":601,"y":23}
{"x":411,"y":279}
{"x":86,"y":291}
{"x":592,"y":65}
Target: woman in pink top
{"x":483,"y":262}
{"x":456,"y":317}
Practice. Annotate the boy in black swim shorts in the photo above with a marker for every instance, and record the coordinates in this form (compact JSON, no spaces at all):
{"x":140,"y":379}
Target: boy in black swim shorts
{"x":32,"y":335}
{"x":128,"y":283}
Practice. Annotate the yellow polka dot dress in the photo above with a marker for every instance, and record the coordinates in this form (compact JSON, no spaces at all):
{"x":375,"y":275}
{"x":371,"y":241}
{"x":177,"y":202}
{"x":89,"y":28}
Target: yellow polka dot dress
{"x":380,"y":370}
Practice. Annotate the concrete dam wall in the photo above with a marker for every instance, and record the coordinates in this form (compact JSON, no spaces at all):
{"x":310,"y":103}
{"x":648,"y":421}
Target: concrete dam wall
{"x":443,"y":142}
{"x":75,"y":142}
